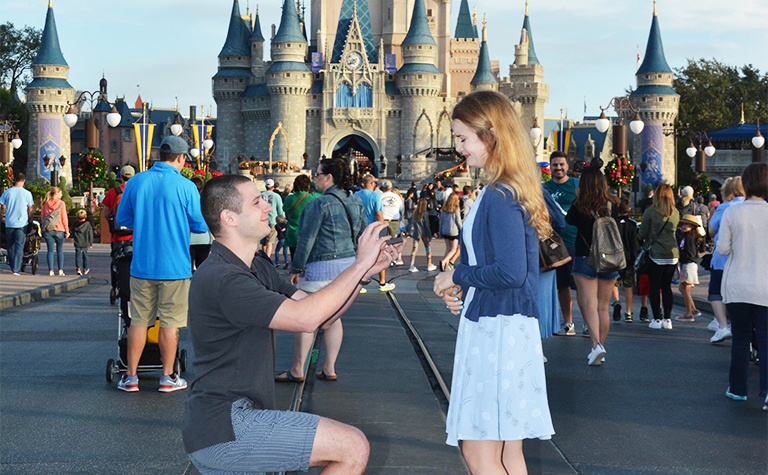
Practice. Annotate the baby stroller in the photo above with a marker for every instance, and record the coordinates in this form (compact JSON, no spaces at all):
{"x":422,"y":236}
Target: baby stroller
{"x":31,"y":246}
{"x":150,"y":358}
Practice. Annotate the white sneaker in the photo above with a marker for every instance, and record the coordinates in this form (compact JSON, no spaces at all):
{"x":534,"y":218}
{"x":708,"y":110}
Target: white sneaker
{"x":713,"y":325}
{"x":174,"y":382}
{"x":596,"y":355}
{"x":666,"y":324}
{"x":399,"y":262}
{"x":387,"y":287}
{"x":655,"y":324}
{"x":51,"y":273}
{"x":721,"y":334}
{"x":61,"y":273}
{"x":431,"y":267}
{"x":413,"y":269}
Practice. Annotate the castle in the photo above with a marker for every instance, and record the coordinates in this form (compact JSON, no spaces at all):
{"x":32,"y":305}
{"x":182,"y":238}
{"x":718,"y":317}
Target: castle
{"x":366,"y":80}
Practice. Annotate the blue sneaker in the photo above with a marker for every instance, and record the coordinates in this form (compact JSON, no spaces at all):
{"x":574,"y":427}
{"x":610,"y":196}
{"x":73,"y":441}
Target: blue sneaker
{"x":174,"y":382}
{"x":735,"y":397}
{"x":129,"y":384}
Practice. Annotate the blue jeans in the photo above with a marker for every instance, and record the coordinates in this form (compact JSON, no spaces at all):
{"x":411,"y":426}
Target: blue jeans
{"x":745,"y":317}
{"x":58,"y":238}
{"x":16,"y":238}
{"x":81,"y":258}
{"x":281,"y":245}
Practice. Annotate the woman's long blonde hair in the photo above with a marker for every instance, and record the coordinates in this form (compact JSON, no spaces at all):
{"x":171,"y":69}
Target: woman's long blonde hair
{"x":452,"y":203}
{"x":664,"y":200}
{"x":510,"y":161}
{"x":52,"y":192}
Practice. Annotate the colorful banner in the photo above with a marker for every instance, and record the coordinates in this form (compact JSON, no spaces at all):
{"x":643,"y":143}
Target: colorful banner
{"x":652,"y":154}
{"x":390,"y":63}
{"x":562,"y":140}
{"x":143,"y":143}
{"x":201,"y":132}
{"x":317,"y":61}
{"x":49,"y":138}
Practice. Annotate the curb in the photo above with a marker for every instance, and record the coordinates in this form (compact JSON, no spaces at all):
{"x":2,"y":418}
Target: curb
{"x":702,"y":305}
{"x":41,"y":293}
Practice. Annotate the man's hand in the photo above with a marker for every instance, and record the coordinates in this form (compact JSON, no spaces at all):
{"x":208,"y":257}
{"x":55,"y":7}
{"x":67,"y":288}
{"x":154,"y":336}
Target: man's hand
{"x":294,"y":279}
{"x":369,"y":245}
{"x":443,"y":282}
{"x":452,"y":298}
{"x":386,"y":257}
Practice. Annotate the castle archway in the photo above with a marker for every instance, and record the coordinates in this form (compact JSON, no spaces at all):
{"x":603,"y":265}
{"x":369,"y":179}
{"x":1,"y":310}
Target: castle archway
{"x":360,"y":147}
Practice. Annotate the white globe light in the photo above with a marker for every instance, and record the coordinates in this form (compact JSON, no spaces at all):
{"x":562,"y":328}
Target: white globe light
{"x":758,"y":141}
{"x":709,"y":150}
{"x":637,"y":126}
{"x":194,"y":152}
{"x":691,"y":151}
{"x":113,"y":118}
{"x":70,"y":120}
{"x":207,"y":143}
{"x":177,"y":129}
{"x":17,"y":143}
{"x":535,"y":134}
{"x":602,"y":124}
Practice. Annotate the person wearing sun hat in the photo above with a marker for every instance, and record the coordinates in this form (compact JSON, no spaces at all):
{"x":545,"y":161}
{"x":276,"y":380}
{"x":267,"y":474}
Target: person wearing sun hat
{"x":688,"y":239}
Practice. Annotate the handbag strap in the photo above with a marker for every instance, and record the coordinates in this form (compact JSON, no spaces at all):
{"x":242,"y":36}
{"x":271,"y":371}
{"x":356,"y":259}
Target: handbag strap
{"x":297,"y":204}
{"x":349,"y":218}
{"x":657,"y":236}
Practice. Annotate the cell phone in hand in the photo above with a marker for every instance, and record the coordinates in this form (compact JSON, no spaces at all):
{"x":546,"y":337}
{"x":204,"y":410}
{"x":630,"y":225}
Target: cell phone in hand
{"x":394,"y":241}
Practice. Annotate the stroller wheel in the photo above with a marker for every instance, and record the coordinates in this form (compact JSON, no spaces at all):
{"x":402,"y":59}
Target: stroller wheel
{"x":183,"y":360}
{"x":177,"y":366}
{"x":111,"y":370}
{"x":112,"y":296}
{"x":34,"y":265}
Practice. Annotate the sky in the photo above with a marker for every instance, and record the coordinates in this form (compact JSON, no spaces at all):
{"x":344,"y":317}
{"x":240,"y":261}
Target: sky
{"x":588,"y":48}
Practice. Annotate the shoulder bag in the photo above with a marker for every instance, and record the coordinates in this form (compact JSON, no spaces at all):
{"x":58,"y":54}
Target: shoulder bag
{"x":50,"y":221}
{"x":643,"y":260}
{"x":552,"y":252}
{"x":607,"y":251}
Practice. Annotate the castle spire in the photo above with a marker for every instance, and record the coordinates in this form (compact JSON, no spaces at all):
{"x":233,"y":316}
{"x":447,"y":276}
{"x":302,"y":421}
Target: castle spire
{"x":256,"y":35}
{"x":236,"y":43}
{"x":464,"y":26}
{"x":418,"y":32}
{"x":654,"y":61}
{"x":474,"y":20}
{"x":350,"y":8}
{"x":532,"y":59}
{"x":289,"y":30}
{"x":484,"y":73}
{"x":50,"y":51}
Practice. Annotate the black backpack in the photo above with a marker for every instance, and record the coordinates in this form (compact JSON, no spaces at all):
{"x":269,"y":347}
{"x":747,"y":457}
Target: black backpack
{"x":113,"y":229}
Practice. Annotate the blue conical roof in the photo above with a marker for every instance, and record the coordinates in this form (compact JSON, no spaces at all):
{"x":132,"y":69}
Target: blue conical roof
{"x":50,"y":51}
{"x":654,"y":61}
{"x":419,"y":33}
{"x":289,"y":30}
{"x":532,"y":59}
{"x":256,"y":35}
{"x":484,"y":73}
{"x":237,"y":35}
{"x":464,"y":26}
{"x":345,"y":19}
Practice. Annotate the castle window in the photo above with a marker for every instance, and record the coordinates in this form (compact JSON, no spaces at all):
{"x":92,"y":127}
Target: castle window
{"x":45,"y":69}
{"x":303,"y":75}
{"x":287,"y":75}
{"x":113,"y":146}
{"x":429,"y":12}
{"x":59,"y":92}
{"x":42,"y":91}
{"x":289,"y":45}
{"x":643,"y":99}
{"x":659,"y":76}
{"x":57,"y":69}
{"x":389,"y":14}
{"x":225,"y":80}
{"x":273,"y":75}
{"x":240,"y":80}
{"x":238,"y":58}
{"x":647,"y":76}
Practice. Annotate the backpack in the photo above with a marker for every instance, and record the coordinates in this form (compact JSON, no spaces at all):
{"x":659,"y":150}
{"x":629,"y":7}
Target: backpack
{"x":50,"y":221}
{"x":607,"y":252}
{"x":114,"y":229}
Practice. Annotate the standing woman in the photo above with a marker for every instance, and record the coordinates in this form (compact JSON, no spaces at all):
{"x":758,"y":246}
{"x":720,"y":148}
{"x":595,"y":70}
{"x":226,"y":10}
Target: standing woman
{"x":593,"y":290}
{"x":328,"y":231}
{"x":498,"y":393}
{"x":659,"y":223}
{"x":409,"y":205}
{"x":450,"y":227}
{"x":742,"y":238}
{"x":420,"y":231}
{"x":549,"y":304}
{"x":293,"y":206}
{"x":60,"y":232}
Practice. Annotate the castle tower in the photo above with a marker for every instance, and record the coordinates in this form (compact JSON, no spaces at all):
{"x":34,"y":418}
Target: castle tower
{"x":289,"y":80}
{"x":419,"y":82}
{"x":233,"y":76}
{"x":47,"y":97}
{"x":257,"y":50}
{"x":484,"y":80}
{"x":465,"y":52}
{"x":658,"y":103}
{"x":526,"y":82}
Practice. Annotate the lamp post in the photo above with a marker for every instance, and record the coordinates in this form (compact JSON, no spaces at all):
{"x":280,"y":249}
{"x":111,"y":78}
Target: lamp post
{"x":758,"y":141}
{"x":202,"y":144}
{"x":696,"y":151}
{"x":7,"y":146}
{"x":54,"y":165}
{"x":619,"y":129}
{"x":675,"y":129}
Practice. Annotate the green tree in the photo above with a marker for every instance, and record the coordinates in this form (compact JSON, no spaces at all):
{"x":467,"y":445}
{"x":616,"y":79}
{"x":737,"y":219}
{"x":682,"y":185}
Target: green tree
{"x":11,"y":107}
{"x":711,"y":96}
{"x":18,"y":48}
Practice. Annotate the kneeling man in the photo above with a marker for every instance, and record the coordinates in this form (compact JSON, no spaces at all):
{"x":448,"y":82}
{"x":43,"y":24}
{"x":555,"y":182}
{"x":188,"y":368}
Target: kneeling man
{"x":230,"y":424}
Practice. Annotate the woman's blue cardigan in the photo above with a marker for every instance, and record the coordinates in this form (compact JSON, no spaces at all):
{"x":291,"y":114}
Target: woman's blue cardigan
{"x":506,"y":277}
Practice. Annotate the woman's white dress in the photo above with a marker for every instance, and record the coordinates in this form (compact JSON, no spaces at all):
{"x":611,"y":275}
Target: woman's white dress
{"x":499,"y":389}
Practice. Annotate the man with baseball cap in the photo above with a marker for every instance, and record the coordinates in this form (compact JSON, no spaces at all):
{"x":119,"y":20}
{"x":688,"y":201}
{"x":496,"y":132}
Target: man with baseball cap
{"x":112,"y":200}
{"x":162,"y":207}
{"x":276,"y":202}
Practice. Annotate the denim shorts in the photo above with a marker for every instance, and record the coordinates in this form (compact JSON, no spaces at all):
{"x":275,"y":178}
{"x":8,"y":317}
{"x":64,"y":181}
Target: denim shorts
{"x":581,"y":267}
{"x":715,"y":280}
{"x":266,"y":441}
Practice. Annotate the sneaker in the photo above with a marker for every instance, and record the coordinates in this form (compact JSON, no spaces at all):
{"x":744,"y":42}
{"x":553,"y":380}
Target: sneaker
{"x":616,"y":311}
{"x":79,"y":272}
{"x":713,"y":325}
{"x":628,"y":318}
{"x":399,"y":262}
{"x":545,"y":362}
{"x":656,"y":325}
{"x":431,"y":268}
{"x":675,"y":281}
{"x":644,"y":315}
{"x":567,"y":330}
{"x":61,"y":273}
{"x":765,"y":404}
{"x":696,"y":313}
{"x":387,"y":287}
{"x":596,"y":355}
{"x":285,"y":267}
{"x":729,"y":394}
{"x":174,"y":382}
{"x":363,"y":290}
{"x":86,"y":271}
{"x":51,"y":273}
{"x":16,"y":273}
{"x":721,"y":334}
{"x":685,"y":318}
{"x":277,"y":263}
{"x":413,"y":269}
{"x":585,"y":332}
{"x":129,"y":384}
{"x":666,"y":324}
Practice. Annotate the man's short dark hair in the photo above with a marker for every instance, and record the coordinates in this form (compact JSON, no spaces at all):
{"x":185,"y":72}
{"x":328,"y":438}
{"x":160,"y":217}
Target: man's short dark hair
{"x":221,"y":193}
{"x":556,"y":154}
{"x":168,"y":156}
{"x":624,"y":206}
{"x":755,"y":180}
{"x":20,"y":176}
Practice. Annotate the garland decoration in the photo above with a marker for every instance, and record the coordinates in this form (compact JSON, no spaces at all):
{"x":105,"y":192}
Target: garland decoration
{"x":701,"y":185}
{"x":619,"y":177}
{"x":91,"y":167}
{"x":6,"y":176}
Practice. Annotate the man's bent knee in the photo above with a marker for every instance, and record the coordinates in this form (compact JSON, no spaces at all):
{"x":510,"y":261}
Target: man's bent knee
{"x":339,"y":443}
